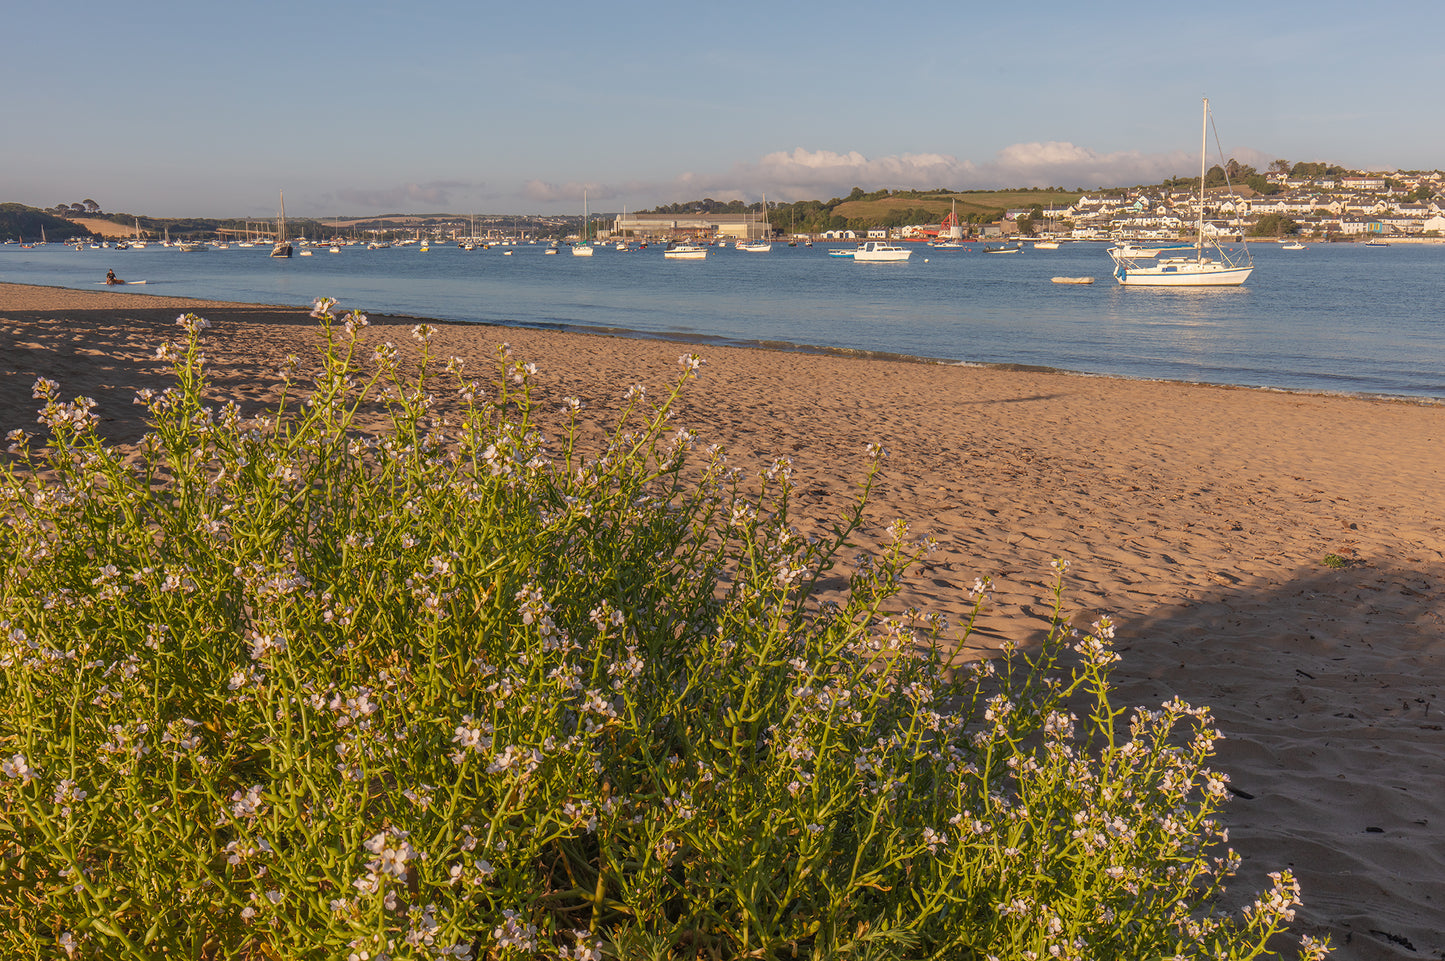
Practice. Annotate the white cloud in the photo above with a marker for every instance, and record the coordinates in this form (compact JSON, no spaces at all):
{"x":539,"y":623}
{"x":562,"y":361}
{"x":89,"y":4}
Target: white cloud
{"x":802,"y":174}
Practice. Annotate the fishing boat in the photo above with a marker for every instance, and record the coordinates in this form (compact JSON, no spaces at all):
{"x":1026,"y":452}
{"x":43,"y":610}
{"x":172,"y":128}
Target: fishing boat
{"x":1214,"y":268}
{"x":877,"y":252}
{"x":281,"y":248}
{"x":583,"y":248}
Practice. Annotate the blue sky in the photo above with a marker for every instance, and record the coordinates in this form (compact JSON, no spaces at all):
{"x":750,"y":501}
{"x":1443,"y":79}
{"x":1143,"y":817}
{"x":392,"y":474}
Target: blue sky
{"x":210,"y":109}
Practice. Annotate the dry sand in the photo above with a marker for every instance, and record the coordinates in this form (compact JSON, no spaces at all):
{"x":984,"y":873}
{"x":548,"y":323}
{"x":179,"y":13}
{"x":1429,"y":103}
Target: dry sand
{"x":1199,"y":516}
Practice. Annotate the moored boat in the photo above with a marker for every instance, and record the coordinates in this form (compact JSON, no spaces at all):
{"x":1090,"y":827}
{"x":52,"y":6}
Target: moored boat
{"x":1219,"y":269}
{"x":1128,"y":251}
{"x":879,"y":252}
{"x":685,"y":251}
{"x":583,"y":248}
{"x":281,"y":248}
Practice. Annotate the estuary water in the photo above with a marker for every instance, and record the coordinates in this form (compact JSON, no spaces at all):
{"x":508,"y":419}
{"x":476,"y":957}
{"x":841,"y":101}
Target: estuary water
{"x":1340,"y":318}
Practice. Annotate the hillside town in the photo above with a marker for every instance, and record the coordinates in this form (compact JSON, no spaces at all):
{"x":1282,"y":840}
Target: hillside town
{"x":1398,"y":206}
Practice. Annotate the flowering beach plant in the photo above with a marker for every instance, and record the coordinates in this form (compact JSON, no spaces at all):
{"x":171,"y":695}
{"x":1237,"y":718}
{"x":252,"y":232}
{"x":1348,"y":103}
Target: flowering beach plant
{"x":367,"y":675}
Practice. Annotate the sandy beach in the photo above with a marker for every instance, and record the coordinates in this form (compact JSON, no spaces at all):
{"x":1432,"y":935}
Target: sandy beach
{"x":1199,"y":517}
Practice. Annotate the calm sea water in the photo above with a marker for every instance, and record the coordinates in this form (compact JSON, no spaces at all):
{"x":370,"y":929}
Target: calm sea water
{"x":1340,"y":318}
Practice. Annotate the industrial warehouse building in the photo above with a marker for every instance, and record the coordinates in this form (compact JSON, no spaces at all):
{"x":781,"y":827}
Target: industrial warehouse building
{"x":700,"y":226}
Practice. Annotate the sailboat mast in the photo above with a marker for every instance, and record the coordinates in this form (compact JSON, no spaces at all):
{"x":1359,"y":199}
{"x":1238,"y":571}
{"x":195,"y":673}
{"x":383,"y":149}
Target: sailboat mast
{"x":1203,"y":154}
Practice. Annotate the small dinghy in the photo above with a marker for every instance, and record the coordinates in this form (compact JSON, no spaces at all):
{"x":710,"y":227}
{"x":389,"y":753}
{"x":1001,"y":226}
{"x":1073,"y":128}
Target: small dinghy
{"x":1073,"y":280}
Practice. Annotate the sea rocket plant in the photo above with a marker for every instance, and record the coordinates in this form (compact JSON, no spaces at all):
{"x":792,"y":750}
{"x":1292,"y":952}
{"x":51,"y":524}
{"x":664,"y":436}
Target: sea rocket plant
{"x":290,"y":684}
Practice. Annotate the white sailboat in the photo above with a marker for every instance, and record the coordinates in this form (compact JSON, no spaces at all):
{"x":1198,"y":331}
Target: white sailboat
{"x":281,"y":248}
{"x":1136,"y":268}
{"x":759,"y":246}
{"x":583,"y":248}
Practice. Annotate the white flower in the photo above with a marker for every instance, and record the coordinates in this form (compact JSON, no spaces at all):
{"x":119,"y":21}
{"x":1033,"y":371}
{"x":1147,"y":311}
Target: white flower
{"x":17,"y":768}
{"x":66,"y":792}
{"x":263,"y":645}
{"x":393,"y":860}
{"x":192,"y":324}
{"x":248,"y":805}
{"x":514,"y":933}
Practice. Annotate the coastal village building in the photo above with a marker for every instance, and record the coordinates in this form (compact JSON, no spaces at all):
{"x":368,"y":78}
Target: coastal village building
{"x":1344,"y":207}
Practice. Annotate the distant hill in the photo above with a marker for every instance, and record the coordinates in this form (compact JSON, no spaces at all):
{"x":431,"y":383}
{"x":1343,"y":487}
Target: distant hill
{"x":973,"y":204}
{"x":19,"y":222}
{"x":105,"y":228}
{"x":893,"y":208}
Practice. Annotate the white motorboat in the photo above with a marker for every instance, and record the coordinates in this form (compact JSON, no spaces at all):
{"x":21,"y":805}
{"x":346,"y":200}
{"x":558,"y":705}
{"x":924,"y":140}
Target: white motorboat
{"x":842,"y":252}
{"x":1219,"y":269}
{"x":1128,"y":251}
{"x":877,"y":252}
{"x":685,"y":251}
{"x":1295,"y":245}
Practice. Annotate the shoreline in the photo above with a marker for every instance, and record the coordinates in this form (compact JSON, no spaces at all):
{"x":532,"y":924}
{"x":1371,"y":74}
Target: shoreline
{"x":702,"y":341}
{"x":1197,"y":516}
